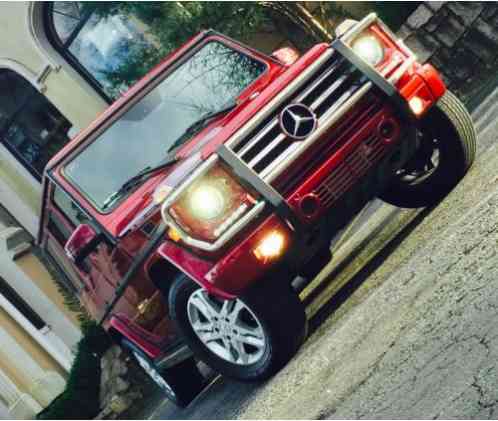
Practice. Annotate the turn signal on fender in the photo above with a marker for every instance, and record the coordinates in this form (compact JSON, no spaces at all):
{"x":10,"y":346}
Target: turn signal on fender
{"x":270,"y":247}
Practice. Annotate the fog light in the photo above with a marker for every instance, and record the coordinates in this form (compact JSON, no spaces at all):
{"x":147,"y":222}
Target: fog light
{"x":417,"y":105}
{"x":270,"y":247}
{"x":174,"y":234}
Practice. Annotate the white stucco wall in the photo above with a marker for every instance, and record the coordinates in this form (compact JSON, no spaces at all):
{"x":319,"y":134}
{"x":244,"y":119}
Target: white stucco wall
{"x":59,"y":323}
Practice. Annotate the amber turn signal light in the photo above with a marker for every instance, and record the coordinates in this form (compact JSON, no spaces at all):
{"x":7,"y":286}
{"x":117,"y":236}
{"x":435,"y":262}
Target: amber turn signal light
{"x":174,"y":234}
{"x":270,"y":247}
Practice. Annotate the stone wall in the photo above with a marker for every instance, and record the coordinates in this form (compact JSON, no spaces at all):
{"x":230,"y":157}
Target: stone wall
{"x":124,"y":387}
{"x":460,"y":39}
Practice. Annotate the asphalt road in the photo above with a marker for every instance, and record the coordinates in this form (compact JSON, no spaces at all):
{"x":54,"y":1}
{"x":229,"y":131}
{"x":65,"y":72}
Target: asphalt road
{"x":413,"y":332}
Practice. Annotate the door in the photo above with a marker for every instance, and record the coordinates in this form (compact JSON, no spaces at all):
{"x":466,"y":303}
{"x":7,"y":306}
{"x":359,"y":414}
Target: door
{"x":95,"y":280}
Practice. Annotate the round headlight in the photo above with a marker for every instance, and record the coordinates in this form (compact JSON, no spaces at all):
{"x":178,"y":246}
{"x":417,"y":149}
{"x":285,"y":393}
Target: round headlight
{"x":369,"y":48}
{"x":207,"y":202}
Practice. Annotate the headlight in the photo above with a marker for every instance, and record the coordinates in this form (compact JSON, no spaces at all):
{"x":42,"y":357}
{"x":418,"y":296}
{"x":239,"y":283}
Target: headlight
{"x":210,"y":204}
{"x":207,"y":202}
{"x":369,"y":48}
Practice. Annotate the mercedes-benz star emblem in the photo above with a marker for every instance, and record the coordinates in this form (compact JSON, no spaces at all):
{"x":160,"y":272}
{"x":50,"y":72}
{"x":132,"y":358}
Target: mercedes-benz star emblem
{"x":297,"y":121}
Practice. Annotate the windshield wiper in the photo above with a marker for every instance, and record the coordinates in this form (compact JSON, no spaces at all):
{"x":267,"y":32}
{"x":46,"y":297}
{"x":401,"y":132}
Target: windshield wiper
{"x":201,"y":122}
{"x":139,"y":178}
{"x":170,"y":158}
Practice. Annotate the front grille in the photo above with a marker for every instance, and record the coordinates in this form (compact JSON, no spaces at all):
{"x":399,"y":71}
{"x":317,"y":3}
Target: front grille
{"x":356,"y":164}
{"x":264,"y":147}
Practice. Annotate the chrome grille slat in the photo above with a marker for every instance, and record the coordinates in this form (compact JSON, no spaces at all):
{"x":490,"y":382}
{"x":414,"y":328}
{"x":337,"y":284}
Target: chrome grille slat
{"x":279,"y":99}
{"x":330,"y":90}
{"x":336,"y":64}
{"x":268,"y":170}
{"x":267,"y":149}
{"x":254,"y":141}
{"x":249,"y":145}
{"x":326,"y":121}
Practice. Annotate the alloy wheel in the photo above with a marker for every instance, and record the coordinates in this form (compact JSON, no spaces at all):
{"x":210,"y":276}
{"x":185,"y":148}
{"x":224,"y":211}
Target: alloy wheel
{"x":228,"y":328}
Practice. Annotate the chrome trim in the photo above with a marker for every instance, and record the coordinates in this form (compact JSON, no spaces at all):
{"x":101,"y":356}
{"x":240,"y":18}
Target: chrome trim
{"x":359,"y":28}
{"x":228,"y":234}
{"x":394,"y":70}
{"x":330,"y":90}
{"x":174,"y":357}
{"x":319,"y":80}
{"x":326,"y":121}
{"x":248,"y":146}
{"x":278,"y":99}
{"x":268,"y":148}
{"x":369,"y":20}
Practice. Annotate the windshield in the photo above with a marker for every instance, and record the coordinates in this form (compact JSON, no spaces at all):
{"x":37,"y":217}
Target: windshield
{"x":212,"y":78}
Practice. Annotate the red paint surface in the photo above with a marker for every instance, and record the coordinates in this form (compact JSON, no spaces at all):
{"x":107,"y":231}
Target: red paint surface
{"x":150,"y":344}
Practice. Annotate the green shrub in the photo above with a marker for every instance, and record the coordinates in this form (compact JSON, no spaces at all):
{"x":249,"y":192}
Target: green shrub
{"x":80,"y":399}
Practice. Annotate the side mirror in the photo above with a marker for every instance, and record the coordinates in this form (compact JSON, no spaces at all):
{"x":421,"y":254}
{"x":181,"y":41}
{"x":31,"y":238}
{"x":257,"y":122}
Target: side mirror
{"x":81,"y":243}
{"x":286,"y":55}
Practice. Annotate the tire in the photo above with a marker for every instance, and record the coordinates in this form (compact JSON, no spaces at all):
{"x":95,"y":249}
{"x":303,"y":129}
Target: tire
{"x":449,"y":127}
{"x":271,"y":312}
{"x":181,"y":383}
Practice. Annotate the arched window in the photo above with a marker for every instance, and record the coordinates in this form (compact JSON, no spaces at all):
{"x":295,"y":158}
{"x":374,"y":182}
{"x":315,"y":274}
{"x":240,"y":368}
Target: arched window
{"x":31,"y":128}
{"x":109,"y":48}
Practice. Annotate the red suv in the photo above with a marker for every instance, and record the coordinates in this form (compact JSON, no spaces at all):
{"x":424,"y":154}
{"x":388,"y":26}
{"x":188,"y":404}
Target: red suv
{"x":183,"y":214}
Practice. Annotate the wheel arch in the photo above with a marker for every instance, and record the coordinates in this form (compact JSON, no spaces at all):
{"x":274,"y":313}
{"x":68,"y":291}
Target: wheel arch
{"x":162,"y":274}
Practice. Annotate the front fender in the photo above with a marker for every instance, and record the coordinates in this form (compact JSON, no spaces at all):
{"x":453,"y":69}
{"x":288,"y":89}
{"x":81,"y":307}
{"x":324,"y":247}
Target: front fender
{"x":195,"y":267}
{"x":233,"y":273}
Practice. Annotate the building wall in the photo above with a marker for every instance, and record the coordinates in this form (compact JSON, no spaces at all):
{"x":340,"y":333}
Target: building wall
{"x":17,"y":367}
{"x":34,"y":361}
{"x":34,"y":270}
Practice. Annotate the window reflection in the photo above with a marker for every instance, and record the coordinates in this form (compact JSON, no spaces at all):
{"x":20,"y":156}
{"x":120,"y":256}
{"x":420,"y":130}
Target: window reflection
{"x":208,"y":81}
{"x":99,"y":46}
{"x":30,"y":126}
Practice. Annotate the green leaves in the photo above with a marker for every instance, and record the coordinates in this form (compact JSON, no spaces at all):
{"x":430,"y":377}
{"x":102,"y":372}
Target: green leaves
{"x":80,"y":399}
{"x":168,"y":25}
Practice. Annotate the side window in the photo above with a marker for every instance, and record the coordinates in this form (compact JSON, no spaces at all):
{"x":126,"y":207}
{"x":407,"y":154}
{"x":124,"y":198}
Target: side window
{"x":62,"y":220}
{"x":65,"y":217}
{"x":69,"y":208}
